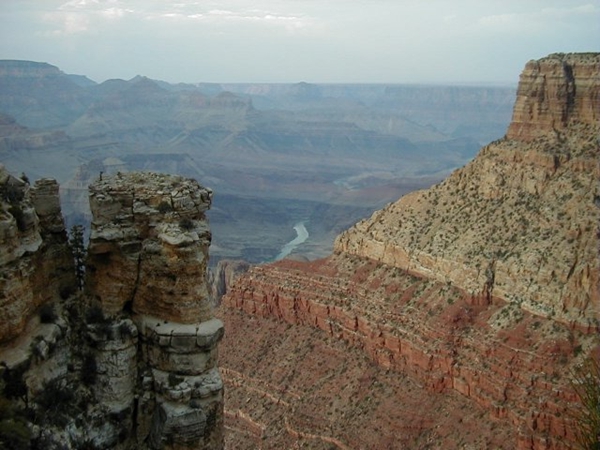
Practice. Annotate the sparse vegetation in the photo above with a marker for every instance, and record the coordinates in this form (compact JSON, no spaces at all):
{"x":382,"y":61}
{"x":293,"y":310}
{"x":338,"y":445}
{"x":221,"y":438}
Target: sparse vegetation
{"x":76,"y":241}
{"x":14,"y":430}
{"x":89,"y":370}
{"x":57,"y":403}
{"x":586,"y":383}
{"x":164,"y":207}
{"x":95,"y":315}
{"x":174,"y":380}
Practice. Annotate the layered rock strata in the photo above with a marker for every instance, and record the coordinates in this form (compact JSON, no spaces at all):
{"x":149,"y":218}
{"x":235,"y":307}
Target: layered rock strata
{"x":519,"y":222}
{"x":487,"y":283}
{"x":554,"y":92}
{"x":147,"y":262}
{"x":130,"y":361}
{"x":511,"y":363}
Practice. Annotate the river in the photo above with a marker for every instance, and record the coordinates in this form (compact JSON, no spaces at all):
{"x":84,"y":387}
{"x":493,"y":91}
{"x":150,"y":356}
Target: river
{"x":301,"y":237}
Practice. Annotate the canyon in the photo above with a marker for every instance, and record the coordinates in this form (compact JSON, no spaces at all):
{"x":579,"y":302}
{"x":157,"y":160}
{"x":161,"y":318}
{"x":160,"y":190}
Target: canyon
{"x":453,"y":317}
{"x":479,"y":294}
{"x":275,"y":154}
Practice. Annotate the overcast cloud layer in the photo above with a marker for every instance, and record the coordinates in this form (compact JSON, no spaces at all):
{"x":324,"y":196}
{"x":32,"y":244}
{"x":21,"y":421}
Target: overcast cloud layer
{"x":390,"y":41}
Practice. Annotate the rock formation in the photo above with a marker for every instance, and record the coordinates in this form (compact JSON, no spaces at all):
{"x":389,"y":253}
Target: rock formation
{"x":147,"y":258}
{"x":130,"y":362}
{"x":224,"y":275}
{"x":519,"y":222}
{"x":35,"y":263}
{"x":486,"y":284}
{"x":555,"y":92}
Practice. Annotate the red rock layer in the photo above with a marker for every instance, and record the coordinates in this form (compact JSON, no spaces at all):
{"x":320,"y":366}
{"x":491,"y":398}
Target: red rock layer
{"x":510,"y":363}
{"x":296,"y":387}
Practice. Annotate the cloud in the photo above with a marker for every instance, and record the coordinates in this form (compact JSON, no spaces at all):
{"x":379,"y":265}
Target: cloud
{"x":82,"y":16}
{"x":531,"y":21}
{"x":66,"y":23}
{"x":231,"y":17}
{"x":572,"y":11}
{"x":363,"y":40}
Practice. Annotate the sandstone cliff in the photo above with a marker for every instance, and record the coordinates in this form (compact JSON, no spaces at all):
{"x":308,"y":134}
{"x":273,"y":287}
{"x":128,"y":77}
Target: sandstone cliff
{"x":520,"y":221}
{"x":484,"y":285}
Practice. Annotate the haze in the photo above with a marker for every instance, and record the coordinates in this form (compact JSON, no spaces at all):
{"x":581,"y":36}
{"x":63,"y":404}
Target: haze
{"x":371,"y":41}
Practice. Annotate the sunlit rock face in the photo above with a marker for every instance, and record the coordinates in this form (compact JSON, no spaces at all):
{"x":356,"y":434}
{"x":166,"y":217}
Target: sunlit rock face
{"x":147,"y":261}
{"x":149,"y":246}
{"x":555,"y":92}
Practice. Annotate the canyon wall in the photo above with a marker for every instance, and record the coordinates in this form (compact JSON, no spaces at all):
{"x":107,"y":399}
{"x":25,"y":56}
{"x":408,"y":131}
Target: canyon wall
{"x":486,"y":284}
{"x":520,"y":221}
{"x":553,"y":93}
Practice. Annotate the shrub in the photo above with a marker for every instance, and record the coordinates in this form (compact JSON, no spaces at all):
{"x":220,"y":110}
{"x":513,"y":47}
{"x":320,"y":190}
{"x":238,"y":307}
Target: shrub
{"x":586,"y":383}
{"x":186,"y":224}
{"x":11,"y":193}
{"x":76,"y":242}
{"x":14,"y":382}
{"x":164,"y":207}
{"x":66,"y":291}
{"x":57,"y":402}
{"x":19,"y":215}
{"x":124,"y":330}
{"x":95,"y":315}
{"x":14,"y":432}
{"x":174,"y":380}
{"x":89,"y":370}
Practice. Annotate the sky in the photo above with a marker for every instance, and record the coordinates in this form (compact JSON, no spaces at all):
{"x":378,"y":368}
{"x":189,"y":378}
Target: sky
{"x":317,"y":41}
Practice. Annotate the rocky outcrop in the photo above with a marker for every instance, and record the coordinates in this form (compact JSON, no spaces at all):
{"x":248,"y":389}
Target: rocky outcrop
{"x":36,"y":265}
{"x":18,"y":68}
{"x":149,"y":246}
{"x":224,"y":275}
{"x":130,"y":361}
{"x":554,"y":92}
{"x":520,"y":221}
{"x":511,"y":363}
{"x":147,"y":260}
{"x":320,"y":393}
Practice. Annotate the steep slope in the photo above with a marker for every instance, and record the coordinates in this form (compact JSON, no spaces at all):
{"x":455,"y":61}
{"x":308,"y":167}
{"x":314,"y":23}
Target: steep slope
{"x":485,"y":285}
{"x":520,"y":221}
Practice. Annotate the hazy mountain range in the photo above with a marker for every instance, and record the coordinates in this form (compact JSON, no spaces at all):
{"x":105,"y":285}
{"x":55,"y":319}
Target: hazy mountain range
{"x":275,"y":154}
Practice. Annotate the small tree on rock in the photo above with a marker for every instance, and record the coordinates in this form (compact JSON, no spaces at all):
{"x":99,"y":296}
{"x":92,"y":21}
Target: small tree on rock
{"x":76,"y":242}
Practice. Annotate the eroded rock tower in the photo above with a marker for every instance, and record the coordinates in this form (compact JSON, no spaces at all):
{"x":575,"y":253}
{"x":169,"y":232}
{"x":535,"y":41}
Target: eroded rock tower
{"x":146,"y":272}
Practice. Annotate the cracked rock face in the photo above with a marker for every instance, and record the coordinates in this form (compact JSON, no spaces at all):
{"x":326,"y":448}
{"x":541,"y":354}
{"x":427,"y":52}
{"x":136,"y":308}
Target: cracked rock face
{"x":149,"y":246}
{"x":35,"y":262}
{"x":554,"y":92}
{"x":147,"y":260}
